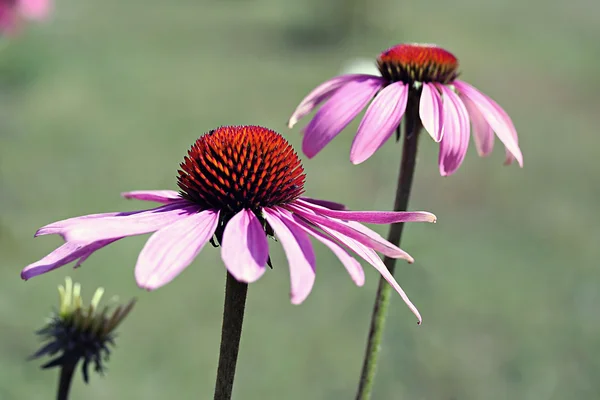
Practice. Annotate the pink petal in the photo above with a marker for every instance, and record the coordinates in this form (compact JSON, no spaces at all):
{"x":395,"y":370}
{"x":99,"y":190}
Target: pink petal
{"x":381,"y":120}
{"x":372,"y":217}
{"x":372,"y":258}
{"x":337,"y":113}
{"x":370,"y":239}
{"x":8,"y":18}
{"x":245,"y":249}
{"x":34,"y":9}
{"x":483,"y":134}
{"x":64,"y":255}
{"x":496,"y":117}
{"x":323,"y":203}
{"x":171,"y":249}
{"x":108,"y":226}
{"x":158,"y":196}
{"x":322,"y":93}
{"x":455,"y":141}
{"x":299,"y":252}
{"x":352,"y":266}
{"x":430,"y":111}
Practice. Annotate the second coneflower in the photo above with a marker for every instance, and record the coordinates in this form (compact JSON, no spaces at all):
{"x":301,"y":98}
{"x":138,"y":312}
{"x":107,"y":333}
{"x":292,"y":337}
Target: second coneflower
{"x":12,"y":11}
{"x":238,"y":186}
{"x":416,"y":77}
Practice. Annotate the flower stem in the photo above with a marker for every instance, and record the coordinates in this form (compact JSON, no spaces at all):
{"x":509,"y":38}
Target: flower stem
{"x":412,"y":127}
{"x":231,"y":332}
{"x":64,"y":380}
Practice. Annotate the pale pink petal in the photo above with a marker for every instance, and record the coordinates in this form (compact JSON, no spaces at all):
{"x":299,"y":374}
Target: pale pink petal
{"x":107,"y":226}
{"x":65,"y":254}
{"x":370,"y":240}
{"x":496,"y":117}
{"x":324,"y":203}
{"x":158,"y":196}
{"x":337,"y":113}
{"x":455,"y":141}
{"x":245,"y":249}
{"x":299,"y":252}
{"x":352,"y":266}
{"x":171,"y":249}
{"x":372,"y":217}
{"x":483,"y":134}
{"x":430,"y":111}
{"x":322,"y":93}
{"x":372,"y":258}
{"x":34,"y":9}
{"x":380,"y":121}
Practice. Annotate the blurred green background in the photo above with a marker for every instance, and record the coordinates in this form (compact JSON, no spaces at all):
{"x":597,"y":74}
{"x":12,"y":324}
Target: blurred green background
{"x":107,"y":96}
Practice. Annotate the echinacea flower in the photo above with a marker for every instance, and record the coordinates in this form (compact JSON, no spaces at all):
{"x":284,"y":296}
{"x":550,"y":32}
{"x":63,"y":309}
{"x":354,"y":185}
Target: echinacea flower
{"x":11,"y":11}
{"x":424,"y":74}
{"x":238,"y":185}
{"x":80,"y":333}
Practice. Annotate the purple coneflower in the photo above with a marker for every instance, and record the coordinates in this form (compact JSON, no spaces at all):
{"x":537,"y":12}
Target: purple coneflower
{"x":425,"y":74}
{"x":238,"y":186}
{"x":12,"y":10}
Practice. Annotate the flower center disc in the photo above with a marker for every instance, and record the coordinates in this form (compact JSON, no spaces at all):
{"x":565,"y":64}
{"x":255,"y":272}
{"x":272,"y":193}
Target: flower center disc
{"x":412,"y":63}
{"x":241,"y":167}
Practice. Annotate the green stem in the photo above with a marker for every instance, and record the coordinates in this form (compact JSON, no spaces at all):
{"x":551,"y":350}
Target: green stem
{"x":64,"y":380}
{"x":412,"y":127}
{"x":231,"y":332}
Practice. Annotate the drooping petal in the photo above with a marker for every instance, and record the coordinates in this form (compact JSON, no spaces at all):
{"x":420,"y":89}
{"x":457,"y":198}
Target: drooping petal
{"x":352,"y":266}
{"x":495,"y":116}
{"x":322,"y":93}
{"x":171,"y":249}
{"x":430,"y":111}
{"x":34,"y":9}
{"x":372,"y":258}
{"x":455,"y":141}
{"x":324,"y":203}
{"x":65,"y":254}
{"x":337,"y":113}
{"x":483,"y":134}
{"x":373,"y":240}
{"x":299,"y":252}
{"x":108,"y":226}
{"x":381,"y":120}
{"x":371,"y":217}
{"x":245,"y":249}
{"x":158,"y":196}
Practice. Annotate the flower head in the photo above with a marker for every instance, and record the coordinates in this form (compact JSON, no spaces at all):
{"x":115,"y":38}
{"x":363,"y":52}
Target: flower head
{"x":425,"y":75}
{"x":77,"y":332}
{"x":239,"y":185}
{"x":11,"y":11}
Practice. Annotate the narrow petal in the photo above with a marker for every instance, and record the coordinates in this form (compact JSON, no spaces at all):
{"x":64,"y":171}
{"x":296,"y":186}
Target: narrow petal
{"x":299,"y":252}
{"x":34,"y":9}
{"x":483,"y":134}
{"x":495,"y":116}
{"x":171,"y":249}
{"x":337,"y":113}
{"x":455,"y":141}
{"x":64,"y":255}
{"x":322,"y":93}
{"x":245,"y":249}
{"x":381,"y":120}
{"x":324,"y":203}
{"x":372,"y":258}
{"x":108,"y":226}
{"x":430,"y":111}
{"x":352,"y":266}
{"x":158,"y":196}
{"x":371,"y":217}
{"x":371,"y":239}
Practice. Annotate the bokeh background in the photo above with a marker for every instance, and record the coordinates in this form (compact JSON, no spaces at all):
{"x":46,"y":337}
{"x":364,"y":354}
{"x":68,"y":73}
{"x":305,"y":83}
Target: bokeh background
{"x":107,"y":96}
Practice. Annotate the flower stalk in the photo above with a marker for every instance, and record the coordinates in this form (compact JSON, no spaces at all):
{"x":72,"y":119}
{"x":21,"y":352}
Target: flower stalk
{"x":65,"y":379}
{"x":412,"y":128}
{"x":233,"y":318}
